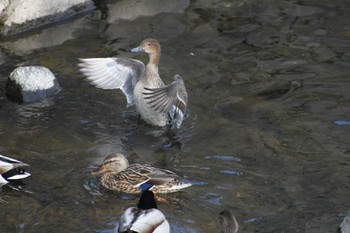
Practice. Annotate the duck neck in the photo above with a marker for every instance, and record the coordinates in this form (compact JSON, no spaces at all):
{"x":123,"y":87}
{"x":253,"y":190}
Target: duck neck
{"x":151,"y":75}
{"x":152,"y":68}
{"x":154,"y":59}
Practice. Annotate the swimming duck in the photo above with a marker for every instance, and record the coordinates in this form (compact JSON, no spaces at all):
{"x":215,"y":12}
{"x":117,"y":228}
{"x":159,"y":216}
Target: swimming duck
{"x":228,"y":222}
{"x":11,"y":169}
{"x":120,"y":176}
{"x":158,"y":104}
{"x":144,"y":218}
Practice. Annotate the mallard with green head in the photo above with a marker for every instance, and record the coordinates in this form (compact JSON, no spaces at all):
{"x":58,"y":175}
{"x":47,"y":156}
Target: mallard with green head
{"x":144,"y":218}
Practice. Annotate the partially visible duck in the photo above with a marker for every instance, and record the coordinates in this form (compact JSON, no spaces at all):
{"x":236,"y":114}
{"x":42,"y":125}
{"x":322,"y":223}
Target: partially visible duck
{"x":120,"y":176}
{"x":158,"y":104}
{"x":344,"y":226}
{"x":144,"y":218}
{"x":11,"y":169}
{"x":228,"y":222}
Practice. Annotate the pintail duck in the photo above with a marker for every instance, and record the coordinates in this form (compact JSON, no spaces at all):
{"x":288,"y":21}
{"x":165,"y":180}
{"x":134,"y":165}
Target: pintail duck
{"x":11,"y":169}
{"x":120,"y":176}
{"x":144,"y":218}
{"x":158,"y":104}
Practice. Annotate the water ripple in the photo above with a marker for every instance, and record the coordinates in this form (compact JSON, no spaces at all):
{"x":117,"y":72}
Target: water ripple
{"x":342,"y":122}
{"x":231,"y":172}
{"x":224,"y":157}
{"x":256,"y":219}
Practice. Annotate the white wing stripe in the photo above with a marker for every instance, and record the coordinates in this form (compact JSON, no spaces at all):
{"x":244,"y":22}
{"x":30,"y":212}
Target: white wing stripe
{"x":180,"y":99}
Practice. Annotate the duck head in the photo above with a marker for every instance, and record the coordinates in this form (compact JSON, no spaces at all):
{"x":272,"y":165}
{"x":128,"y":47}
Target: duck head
{"x":113,"y":163}
{"x":150,"y":46}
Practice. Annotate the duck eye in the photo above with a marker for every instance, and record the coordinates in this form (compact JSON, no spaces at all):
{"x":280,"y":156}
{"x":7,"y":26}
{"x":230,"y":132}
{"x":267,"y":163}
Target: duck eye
{"x":149,"y":44}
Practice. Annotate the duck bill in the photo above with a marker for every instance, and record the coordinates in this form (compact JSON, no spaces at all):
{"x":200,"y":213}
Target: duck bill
{"x":137,"y":49}
{"x":99,"y":171}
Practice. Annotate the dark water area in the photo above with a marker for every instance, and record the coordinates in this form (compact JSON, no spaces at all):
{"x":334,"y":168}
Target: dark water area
{"x":266,"y":136}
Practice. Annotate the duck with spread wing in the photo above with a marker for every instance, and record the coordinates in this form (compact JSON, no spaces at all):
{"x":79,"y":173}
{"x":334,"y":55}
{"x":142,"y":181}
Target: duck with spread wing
{"x":158,"y":104}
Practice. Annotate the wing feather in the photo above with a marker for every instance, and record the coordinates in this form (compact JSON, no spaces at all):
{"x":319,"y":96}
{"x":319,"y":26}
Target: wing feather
{"x":163,"y":98}
{"x":137,"y":174}
{"x":113,"y":73}
{"x":170,"y":99}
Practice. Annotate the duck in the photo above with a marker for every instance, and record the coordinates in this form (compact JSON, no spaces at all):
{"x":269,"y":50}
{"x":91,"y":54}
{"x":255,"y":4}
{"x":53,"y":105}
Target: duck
{"x":11,"y":169}
{"x":228,"y":222}
{"x":144,"y":218}
{"x":119,"y":176}
{"x":158,"y":104}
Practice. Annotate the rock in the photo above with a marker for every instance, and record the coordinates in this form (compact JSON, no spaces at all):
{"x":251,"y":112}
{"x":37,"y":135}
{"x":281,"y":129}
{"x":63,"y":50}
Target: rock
{"x":324,"y":54}
{"x":48,"y":37}
{"x":18,"y":16}
{"x":31,"y":84}
{"x":298,"y":10}
{"x":230,"y":107}
{"x":273,"y":89}
{"x":132,"y":9}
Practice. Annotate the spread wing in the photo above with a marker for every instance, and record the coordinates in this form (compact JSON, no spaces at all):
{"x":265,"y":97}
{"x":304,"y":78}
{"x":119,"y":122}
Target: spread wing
{"x":171,"y":99}
{"x":163,"y":98}
{"x":113,"y":73}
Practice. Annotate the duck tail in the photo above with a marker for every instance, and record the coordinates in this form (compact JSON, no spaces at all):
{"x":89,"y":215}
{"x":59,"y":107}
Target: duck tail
{"x":181,"y":185}
{"x":16,"y":174}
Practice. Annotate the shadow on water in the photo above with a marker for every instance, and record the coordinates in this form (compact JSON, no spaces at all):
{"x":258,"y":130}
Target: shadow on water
{"x":265,"y":136}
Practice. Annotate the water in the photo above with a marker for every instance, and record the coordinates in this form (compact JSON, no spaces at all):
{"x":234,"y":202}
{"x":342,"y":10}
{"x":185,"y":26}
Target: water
{"x":267,"y":82}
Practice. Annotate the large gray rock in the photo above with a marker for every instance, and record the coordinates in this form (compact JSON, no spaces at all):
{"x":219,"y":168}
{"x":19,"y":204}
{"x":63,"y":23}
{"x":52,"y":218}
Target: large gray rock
{"x":31,"y":84}
{"x":17,"y":15}
{"x":48,"y":37}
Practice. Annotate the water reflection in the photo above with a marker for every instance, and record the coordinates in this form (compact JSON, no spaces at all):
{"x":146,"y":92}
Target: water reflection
{"x":34,"y":110}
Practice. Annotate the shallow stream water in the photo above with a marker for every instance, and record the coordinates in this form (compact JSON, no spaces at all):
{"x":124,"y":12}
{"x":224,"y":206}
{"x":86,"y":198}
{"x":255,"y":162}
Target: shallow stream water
{"x":268,"y":84}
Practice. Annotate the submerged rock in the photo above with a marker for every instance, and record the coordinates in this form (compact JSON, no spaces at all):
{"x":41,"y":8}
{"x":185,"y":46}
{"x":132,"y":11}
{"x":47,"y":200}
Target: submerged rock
{"x":230,"y":107}
{"x":133,"y":9}
{"x":31,"y":84}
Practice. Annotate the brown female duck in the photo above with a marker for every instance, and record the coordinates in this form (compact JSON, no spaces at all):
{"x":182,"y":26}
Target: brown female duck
{"x":118,"y":175}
